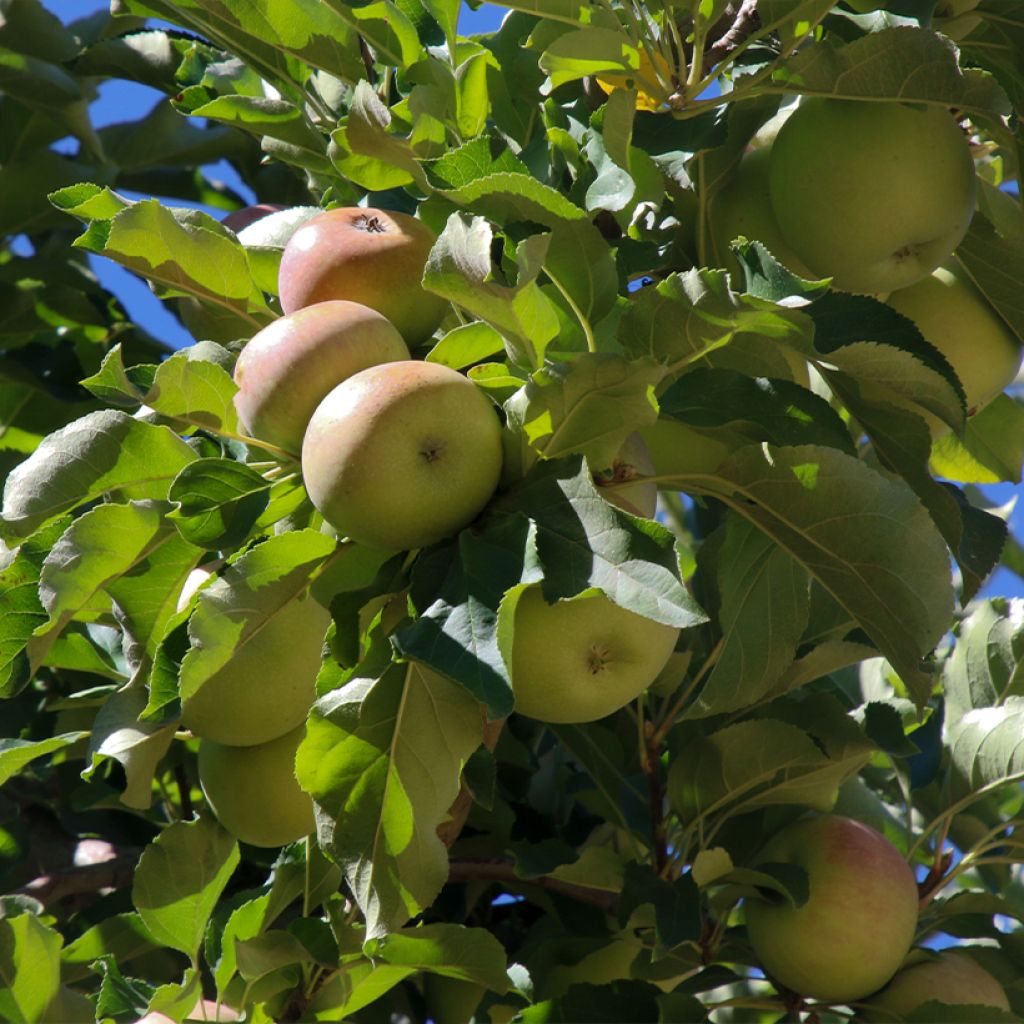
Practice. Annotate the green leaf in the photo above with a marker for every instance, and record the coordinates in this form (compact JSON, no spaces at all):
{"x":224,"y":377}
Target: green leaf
{"x":249,"y":593}
{"x":180,"y":877}
{"x":763,"y":615}
{"x":219,"y":502}
{"x":137,"y":746}
{"x":990,"y":450}
{"x":29,"y":968}
{"x":920,"y":66}
{"x":122,"y":936}
{"x":382,"y":759}
{"x":195,"y":387}
{"x":588,"y":406}
{"x":15,"y":754}
{"x":465,"y":345}
{"x":459,"y":269}
{"x":588,"y":51}
{"x":182,"y":252}
{"x":102,"y":452}
{"x":268,"y":952}
{"x":881,"y":557}
{"x":452,"y":950}
{"x":994,"y":262}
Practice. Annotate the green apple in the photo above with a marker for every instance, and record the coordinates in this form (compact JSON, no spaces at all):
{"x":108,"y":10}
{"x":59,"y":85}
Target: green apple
{"x":370,"y":256}
{"x":953,"y":979}
{"x":743,"y":207}
{"x":958,"y":320}
{"x":852,"y":934}
{"x":253,"y":791}
{"x":676,"y":450}
{"x":874,"y":195}
{"x":581,"y":659}
{"x":269,"y":685}
{"x":402,"y":455}
{"x":288,"y":368}
{"x":637,"y":497}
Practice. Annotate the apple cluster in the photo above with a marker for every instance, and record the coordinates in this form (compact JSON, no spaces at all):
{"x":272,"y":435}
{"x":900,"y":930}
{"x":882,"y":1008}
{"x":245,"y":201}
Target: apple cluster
{"x":877,"y":197}
{"x":849,"y":941}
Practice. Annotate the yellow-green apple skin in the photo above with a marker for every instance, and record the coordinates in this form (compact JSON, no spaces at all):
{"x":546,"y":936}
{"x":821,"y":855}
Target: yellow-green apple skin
{"x":958,"y":320}
{"x":954,"y":979}
{"x":287,"y":369}
{"x":851,"y":935}
{"x":253,"y":790}
{"x":743,"y":207}
{"x":582,"y":659}
{"x":269,"y":685}
{"x":873,"y":195}
{"x":618,"y":486}
{"x":370,"y":256}
{"x":402,"y":455}
{"x":675,"y":450}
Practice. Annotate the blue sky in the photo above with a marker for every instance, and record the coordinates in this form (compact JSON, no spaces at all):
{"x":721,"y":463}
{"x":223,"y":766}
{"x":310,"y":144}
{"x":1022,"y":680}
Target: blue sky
{"x":125,"y":101}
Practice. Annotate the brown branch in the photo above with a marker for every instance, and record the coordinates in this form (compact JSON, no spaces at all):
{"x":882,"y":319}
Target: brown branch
{"x":503,"y":872}
{"x":116,"y":873}
{"x":745,"y":21}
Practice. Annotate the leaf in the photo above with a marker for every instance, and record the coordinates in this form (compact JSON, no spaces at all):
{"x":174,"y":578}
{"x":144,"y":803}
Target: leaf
{"x":15,"y":754}
{"x":986,"y":749}
{"x":29,"y":968}
{"x":459,"y":269}
{"x":137,"y":746}
{"x":249,"y":593}
{"x":452,"y":950}
{"x":219,"y":502}
{"x":182,"y":252}
{"x":764,"y":610}
{"x":122,"y":936}
{"x":101,"y":452}
{"x":99,"y":546}
{"x":382,"y":759}
{"x":863,"y":536}
{"x":180,"y":877}
{"x":919,"y":66}
{"x":195,"y":387}
{"x":588,"y":406}
{"x":990,"y":450}
{"x":994,"y":261}
{"x":465,"y":345}
{"x":676,"y":905}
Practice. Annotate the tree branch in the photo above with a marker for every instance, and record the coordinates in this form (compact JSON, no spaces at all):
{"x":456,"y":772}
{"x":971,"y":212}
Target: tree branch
{"x":503,"y":872}
{"x":745,"y":20}
{"x":56,"y":886}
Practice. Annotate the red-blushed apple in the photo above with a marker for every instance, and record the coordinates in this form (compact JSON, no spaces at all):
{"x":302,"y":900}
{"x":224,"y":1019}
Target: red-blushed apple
{"x":851,"y":935}
{"x":874,"y":195}
{"x":288,"y":368}
{"x":269,"y":685}
{"x":953,"y":979}
{"x":581,"y":659}
{"x":204,"y":1010}
{"x":237,"y":220}
{"x":402,"y":455}
{"x":374,"y":257}
{"x":958,"y":320}
{"x":636,"y":496}
{"x":253,"y":790}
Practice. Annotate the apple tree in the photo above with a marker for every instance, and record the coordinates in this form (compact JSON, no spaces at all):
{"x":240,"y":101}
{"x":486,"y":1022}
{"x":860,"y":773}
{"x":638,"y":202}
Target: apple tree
{"x":556,"y":583}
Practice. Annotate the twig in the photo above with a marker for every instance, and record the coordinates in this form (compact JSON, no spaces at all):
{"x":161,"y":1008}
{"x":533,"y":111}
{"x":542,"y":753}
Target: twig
{"x":744,"y":23}
{"x":504,"y":872}
{"x":116,"y":873}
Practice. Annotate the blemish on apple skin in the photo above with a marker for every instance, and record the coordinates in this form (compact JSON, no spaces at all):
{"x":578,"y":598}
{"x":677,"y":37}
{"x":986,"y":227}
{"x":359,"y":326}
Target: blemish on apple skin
{"x":371,"y":225}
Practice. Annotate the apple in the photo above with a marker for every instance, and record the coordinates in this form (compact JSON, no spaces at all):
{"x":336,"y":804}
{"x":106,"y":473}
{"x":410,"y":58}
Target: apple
{"x":637,"y":497}
{"x":743,"y":207}
{"x":269,"y":685}
{"x":676,"y":450}
{"x":958,"y":320}
{"x":402,"y":455}
{"x":237,"y":220}
{"x":581,"y":659}
{"x":253,"y":791}
{"x":204,"y":1010}
{"x":874,"y":195}
{"x":288,"y":368}
{"x":609,"y":81}
{"x":852,"y":934}
{"x":953,"y":979}
{"x":370,"y":256}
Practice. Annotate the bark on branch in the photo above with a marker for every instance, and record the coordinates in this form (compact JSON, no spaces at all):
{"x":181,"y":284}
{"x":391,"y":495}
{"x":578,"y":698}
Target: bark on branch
{"x":745,"y":20}
{"x":503,"y":872}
